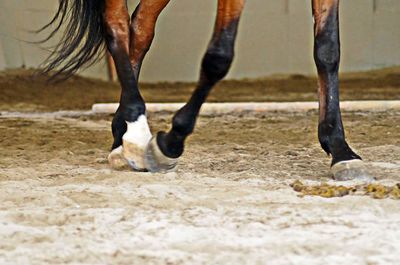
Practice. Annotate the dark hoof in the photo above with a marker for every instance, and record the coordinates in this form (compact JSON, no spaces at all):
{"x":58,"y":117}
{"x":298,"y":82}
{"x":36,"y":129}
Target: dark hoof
{"x":351,"y":170}
{"x":156,"y":161}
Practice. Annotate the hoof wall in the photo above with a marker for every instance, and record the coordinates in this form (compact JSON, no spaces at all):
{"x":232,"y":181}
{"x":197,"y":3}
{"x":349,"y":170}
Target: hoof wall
{"x":156,"y":161}
{"x":351,"y":170}
{"x":134,"y":155}
{"x":117,"y":160}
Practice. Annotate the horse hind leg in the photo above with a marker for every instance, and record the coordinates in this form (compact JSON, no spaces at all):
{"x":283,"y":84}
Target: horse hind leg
{"x":164,"y":150}
{"x":142,"y":30}
{"x":137,"y":132}
{"x":130,"y":116}
{"x":346,"y":164}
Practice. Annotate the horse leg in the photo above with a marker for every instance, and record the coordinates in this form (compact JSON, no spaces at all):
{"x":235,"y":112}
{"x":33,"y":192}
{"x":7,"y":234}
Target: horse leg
{"x":130,"y":117}
{"x":346,"y":164}
{"x":164,"y":149}
{"x":142,"y":30}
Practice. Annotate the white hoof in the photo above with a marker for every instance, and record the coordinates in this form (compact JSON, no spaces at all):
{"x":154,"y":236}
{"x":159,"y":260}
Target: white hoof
{"x":351,"y":170}
{"x":135,"y":141}
{"x":117,"y":160}
{"x":156,"y":161}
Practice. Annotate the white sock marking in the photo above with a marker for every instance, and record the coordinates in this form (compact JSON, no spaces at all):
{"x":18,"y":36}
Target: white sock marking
{"x":117,"y":150}
{"x":138,"y":132}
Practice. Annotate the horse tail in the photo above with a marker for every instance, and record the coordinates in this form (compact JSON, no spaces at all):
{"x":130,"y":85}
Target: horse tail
{"x":82,"y":40}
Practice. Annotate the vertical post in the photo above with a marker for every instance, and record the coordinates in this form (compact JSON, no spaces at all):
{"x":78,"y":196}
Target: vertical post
{"x":287,"y":6}
{"x":374,"y":5}
{"x":112,"y":72}
{"x":2,"y":59}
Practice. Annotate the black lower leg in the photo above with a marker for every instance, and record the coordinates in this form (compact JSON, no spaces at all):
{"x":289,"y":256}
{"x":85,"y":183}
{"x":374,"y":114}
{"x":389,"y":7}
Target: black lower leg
{"x":327,"y":57}
{"x":131,"y":102}
{"x":215,"y":66}
{"x":331,"y":135}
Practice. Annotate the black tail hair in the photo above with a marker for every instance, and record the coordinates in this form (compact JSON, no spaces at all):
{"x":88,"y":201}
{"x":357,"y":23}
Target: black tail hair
{"x":82,"y":41}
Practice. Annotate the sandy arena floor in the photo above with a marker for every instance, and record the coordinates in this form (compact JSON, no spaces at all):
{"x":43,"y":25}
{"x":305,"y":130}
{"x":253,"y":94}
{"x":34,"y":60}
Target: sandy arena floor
{"x":228,"y":203}
{"x":230,"y":200}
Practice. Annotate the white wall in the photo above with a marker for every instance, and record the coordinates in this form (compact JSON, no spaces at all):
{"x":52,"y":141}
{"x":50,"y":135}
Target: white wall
{"x":275,"y":37}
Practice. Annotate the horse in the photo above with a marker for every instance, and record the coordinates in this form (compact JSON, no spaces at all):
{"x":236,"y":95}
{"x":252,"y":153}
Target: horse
{"x":92,"y":24}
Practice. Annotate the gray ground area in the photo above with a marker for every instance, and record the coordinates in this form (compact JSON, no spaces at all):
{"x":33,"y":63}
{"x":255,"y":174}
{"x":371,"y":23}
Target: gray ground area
{"x":229,"y":201}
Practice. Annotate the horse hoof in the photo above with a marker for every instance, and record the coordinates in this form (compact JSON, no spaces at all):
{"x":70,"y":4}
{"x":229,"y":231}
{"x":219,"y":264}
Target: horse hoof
{"x":156,"y":161}
{"x":134,"y":143}
{"x":134,"y":155}
{"x":351,"y":170}
{"x":117,"y":160}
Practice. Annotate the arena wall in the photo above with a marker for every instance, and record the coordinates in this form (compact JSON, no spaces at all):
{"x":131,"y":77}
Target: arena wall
{"x":275,"y":37}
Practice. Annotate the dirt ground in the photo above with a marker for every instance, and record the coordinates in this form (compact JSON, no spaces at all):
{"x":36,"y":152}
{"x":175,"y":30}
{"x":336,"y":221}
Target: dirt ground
{"x":229,"y":202}
{"x":22,"y":90}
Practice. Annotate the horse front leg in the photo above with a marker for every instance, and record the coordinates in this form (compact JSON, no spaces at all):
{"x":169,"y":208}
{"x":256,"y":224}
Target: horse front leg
{"x":166,"y":147}
{"x":129,"y":125}
{"x":346,"y":164}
